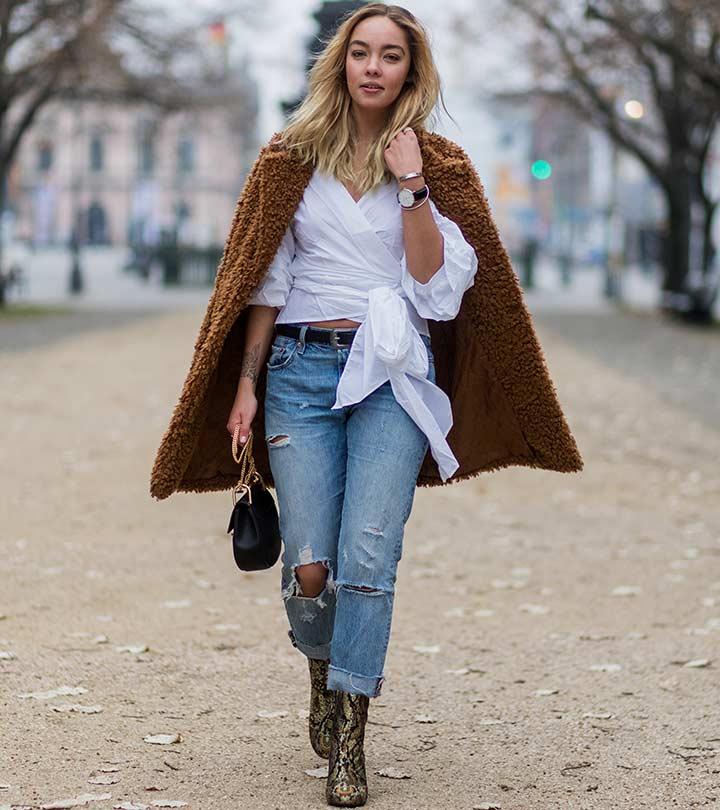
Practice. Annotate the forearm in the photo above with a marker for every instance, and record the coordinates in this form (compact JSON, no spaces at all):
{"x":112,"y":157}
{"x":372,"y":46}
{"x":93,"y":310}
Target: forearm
{"x":424,"y":244}
{"x":258,"y":336}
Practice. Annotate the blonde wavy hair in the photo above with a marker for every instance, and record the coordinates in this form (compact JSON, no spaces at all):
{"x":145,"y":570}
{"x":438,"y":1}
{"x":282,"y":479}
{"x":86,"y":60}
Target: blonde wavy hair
{"x":322,"y":129}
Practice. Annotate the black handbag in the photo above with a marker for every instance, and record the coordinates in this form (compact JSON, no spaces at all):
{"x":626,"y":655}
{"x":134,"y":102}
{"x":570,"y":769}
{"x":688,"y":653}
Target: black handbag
{"x":254,"y":520}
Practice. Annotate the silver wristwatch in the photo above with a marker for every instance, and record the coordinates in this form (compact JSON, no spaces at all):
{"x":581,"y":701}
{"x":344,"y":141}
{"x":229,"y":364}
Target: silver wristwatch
{"x":407,"y":197}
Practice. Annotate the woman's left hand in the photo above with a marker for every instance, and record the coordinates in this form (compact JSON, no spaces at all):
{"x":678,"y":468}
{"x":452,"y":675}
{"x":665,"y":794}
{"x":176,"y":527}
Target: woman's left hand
{"x":403,"y":155}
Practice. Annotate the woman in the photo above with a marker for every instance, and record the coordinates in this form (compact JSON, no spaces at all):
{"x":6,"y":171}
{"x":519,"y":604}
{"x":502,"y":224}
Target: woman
{"x":393,"y":362}
{"x":344,"y":453}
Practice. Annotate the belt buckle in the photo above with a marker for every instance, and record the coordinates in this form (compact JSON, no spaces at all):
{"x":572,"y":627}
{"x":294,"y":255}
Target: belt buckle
{"x":334,"y":339}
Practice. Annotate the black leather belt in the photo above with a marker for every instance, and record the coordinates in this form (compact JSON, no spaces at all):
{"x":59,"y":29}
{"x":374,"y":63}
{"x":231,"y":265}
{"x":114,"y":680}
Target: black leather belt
{"x":338,"y":338}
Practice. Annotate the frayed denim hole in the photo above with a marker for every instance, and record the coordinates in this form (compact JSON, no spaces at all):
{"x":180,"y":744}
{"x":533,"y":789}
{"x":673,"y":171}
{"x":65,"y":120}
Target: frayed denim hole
{"x":294,"y":588}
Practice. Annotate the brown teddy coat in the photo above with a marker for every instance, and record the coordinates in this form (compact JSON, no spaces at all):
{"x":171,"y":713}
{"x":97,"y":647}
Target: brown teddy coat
{"x":487,"y":359}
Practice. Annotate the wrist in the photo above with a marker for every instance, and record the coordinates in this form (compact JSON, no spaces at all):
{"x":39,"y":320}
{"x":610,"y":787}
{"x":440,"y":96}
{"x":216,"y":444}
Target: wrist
{"x":246,"y":383}
{"x":414,"y":183}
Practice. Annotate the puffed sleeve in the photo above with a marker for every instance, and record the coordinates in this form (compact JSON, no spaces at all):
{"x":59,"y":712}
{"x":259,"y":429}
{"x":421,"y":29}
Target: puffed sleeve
{"x":439,"y":298}
{"x":275,"y":286}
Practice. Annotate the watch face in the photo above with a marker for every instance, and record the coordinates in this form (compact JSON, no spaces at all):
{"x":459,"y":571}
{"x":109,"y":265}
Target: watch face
{"x":406,"y":197}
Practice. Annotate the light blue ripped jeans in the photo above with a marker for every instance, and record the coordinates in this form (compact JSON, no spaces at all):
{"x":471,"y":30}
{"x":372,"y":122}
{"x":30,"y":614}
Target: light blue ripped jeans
{"x":345,"y":481}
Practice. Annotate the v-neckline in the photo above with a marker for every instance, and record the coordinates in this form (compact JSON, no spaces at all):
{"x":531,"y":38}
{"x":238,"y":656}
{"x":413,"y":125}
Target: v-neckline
{"x":347,"y":191}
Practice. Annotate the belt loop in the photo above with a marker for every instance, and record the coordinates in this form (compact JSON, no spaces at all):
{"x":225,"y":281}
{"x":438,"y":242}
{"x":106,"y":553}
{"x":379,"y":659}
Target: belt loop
{"x":301,"y":338}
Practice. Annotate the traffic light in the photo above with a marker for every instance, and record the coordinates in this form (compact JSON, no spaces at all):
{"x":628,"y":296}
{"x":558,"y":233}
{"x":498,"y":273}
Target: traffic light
{"x":541,"y":170}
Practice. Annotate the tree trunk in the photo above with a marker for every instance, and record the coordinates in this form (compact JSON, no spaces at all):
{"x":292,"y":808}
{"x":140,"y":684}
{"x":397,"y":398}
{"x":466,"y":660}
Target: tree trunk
{"x":4,"y":169}
{"x":690,"y":284}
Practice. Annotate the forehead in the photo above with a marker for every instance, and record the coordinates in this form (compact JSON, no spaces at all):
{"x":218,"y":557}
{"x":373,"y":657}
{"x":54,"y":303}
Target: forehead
{"x":378,"y":31}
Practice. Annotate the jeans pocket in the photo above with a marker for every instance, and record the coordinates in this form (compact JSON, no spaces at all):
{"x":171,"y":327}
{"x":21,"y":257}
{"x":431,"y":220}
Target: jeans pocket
{"x":282,"y":352}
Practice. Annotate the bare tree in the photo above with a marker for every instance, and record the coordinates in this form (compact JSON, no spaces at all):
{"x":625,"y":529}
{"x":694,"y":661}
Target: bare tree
{"x":123,"y":49}
{"x":587,"y":51}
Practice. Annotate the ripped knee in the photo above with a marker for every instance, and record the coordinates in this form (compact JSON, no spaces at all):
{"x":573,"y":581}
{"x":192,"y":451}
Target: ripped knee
{"x":294,"y":586}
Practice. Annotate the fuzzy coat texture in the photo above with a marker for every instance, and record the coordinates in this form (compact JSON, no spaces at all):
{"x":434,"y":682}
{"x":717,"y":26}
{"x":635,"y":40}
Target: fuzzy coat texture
{"x":487,"y":359}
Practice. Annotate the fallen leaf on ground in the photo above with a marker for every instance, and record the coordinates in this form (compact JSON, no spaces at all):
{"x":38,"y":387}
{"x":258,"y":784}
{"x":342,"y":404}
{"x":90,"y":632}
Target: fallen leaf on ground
{"x":427,"y":650}
{"x":625,"y":590}
{"x":697,"y":662}
{"x":162,"y":739}
{"x":76,"y":707}
{"x":103,"y":779}
{"x":393,"y":773}
{"x":537,"y":610}
{"x":318,"y":773}
{"x":78,"y":801}
{"x":51,"y":693}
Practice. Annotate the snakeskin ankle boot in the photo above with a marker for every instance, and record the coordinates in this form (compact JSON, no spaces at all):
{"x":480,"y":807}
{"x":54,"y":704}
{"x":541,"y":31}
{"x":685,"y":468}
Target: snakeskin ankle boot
{"x":346,"y":782}
{"x":322,"y":708}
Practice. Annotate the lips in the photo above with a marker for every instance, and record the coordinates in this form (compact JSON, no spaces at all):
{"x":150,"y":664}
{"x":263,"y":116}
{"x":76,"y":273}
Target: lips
{"x":372,"y":86}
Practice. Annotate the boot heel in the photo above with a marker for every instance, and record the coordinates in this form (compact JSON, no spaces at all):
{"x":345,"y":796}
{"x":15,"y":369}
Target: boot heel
{"x":322,"y":708}
{"x":347,"y":781}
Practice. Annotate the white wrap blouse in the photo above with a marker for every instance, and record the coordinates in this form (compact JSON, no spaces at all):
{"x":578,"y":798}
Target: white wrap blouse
{"x":345,"y":259}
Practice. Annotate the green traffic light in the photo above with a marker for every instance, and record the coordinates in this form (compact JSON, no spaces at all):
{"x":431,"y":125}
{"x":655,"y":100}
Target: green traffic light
{"x":541,"y":170}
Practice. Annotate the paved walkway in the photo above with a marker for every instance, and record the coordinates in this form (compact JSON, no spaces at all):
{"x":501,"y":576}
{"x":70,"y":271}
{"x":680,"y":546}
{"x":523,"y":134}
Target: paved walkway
{"x":555,"y":640}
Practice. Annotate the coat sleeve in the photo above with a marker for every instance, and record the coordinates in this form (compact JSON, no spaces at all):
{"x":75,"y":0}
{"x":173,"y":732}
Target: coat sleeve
{"x":440,"y":297}
{"x":276,"y":284}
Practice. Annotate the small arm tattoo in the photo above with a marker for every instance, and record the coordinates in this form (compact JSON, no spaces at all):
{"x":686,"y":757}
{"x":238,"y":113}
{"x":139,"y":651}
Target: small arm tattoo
{"x":250,"y":363}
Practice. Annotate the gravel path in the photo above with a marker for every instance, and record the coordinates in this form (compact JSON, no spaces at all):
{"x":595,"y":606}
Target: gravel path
{"x":555,"y":640}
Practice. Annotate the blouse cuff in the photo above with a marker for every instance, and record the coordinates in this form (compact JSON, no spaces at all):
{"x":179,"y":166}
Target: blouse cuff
{"x":273,"y":290}
{"x":440,"y":297}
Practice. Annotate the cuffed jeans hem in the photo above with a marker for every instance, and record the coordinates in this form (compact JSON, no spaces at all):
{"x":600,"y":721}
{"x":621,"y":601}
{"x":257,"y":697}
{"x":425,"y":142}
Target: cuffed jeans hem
{"x":311,"y":651}
{"x":344,"y":681}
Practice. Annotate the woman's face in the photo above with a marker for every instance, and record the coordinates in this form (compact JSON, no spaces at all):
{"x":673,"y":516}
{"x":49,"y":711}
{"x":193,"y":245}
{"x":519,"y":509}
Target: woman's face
{"x":379,"y":54}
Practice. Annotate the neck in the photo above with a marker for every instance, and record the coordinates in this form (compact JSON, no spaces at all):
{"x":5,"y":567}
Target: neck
{"x":368,"y":125}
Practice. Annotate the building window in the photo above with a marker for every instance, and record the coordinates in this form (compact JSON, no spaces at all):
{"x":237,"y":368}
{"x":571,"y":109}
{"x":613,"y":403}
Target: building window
{"x":147,"y":156}
{"x":97,"y":225}
{"x":146,"y":149}
{"x":96,"y":154}
{"x":186,"y":155}
{"x":44,"y":156}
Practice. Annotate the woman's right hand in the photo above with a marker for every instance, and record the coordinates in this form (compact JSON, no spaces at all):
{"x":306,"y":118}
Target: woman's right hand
{"x":243,"y":412}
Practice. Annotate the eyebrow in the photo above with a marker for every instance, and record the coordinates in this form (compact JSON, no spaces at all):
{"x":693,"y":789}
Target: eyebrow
{"x":360,"y":42}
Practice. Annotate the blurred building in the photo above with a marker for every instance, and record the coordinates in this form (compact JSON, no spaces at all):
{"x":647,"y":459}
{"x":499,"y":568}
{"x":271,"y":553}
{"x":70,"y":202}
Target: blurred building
{"x":553,"y":179}
{"x":120,"y":171}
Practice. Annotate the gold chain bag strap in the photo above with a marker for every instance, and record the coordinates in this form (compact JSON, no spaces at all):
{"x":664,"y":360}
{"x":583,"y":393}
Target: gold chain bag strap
{"x":254,"y":521}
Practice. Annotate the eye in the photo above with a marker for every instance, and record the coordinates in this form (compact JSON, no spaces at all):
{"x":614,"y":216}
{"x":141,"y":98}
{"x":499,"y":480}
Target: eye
{"x":394,"y":58}
{"x":357,"y":53}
